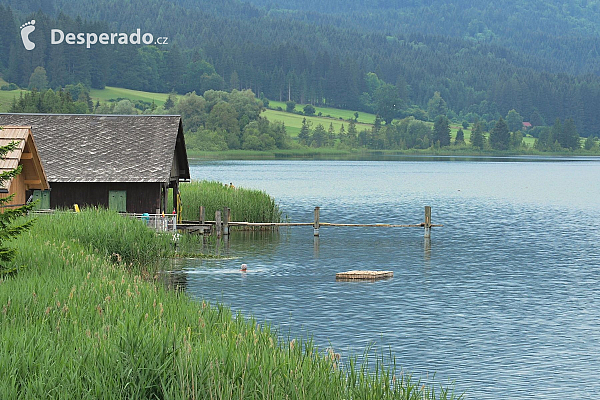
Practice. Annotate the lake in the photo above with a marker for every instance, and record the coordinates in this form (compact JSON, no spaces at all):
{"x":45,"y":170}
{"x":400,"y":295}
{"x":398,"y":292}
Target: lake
{"x":504,"y":299}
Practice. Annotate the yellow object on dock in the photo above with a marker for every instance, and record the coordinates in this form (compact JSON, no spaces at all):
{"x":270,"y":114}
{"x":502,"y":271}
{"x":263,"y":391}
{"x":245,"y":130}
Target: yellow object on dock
{"x":364,"y":275}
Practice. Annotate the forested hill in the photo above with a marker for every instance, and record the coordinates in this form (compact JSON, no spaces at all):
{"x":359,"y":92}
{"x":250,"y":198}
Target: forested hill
{"x":538,"y":58}
{"x":564,"y":34}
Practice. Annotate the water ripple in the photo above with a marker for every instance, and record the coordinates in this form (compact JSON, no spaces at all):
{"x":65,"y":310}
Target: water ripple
{"x":504,"y":299}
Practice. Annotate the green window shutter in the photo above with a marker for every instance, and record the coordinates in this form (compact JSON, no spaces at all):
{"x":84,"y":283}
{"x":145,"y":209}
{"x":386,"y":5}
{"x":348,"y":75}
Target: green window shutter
{"x":117,"y":200}
{"x":44,"y":199}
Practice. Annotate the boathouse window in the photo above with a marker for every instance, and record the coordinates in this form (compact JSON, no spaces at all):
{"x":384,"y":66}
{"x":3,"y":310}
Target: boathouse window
{"x":44,"y":199}
{"x":117,"y":200}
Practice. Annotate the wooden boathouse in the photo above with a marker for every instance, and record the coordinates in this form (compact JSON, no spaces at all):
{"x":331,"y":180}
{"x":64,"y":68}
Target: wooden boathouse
{"x":122,"y":162}
{"x":32,"y":176}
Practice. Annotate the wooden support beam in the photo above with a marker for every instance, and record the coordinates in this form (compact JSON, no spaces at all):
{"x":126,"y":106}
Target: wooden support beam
{"x":226,"y":216}
{"x":218,"y":224}
{"x":32,"y":181}
{"x":202,"y":217}
{"x":316,"y":223}
{"x":27,"y":156}
{"x":427,"y":221}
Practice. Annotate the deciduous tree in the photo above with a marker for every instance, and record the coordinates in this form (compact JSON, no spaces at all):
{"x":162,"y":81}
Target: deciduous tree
{"x":309,"y":109}
{"x":436,"y":106}
{"x":38,"y":80}
{"x":514,"y":121}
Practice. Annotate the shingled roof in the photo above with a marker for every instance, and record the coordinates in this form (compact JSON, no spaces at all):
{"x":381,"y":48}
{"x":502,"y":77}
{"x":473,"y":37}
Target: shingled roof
{"x":107,"y":148}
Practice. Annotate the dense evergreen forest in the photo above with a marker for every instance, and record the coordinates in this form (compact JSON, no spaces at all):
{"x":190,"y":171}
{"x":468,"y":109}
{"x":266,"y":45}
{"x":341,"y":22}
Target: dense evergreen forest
{"x":538,"y":58}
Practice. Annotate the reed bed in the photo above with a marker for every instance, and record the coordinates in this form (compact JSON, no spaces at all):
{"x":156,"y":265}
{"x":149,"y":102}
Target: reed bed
{"x":74,"y":324}
{"x":245,"y":204}
{"x":124,"y":240}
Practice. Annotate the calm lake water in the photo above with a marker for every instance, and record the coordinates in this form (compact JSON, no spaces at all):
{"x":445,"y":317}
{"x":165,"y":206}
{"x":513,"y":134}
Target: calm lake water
{"x":504,"y":299}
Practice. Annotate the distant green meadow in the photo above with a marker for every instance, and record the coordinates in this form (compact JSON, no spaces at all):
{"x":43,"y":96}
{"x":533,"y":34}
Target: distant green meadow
{"x":6,"y":97}
{"x":113,"y":93}
{"x":293,"y":122}
{"x":363,"y":117}
{"x":102,"y":95}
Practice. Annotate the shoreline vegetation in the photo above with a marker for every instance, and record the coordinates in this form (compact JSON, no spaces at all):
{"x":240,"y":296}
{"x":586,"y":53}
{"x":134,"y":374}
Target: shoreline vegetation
{"x":221,"y":124}
{"x":84,"y":317}
{"x":364,"y":154}
{"x":246,"y":204}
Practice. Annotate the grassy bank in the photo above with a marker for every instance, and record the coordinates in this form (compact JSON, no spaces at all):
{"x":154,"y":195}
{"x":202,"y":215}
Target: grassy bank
{"x":109,"y":235}
{"x":246,"y":204}
{"x":73,"y":324}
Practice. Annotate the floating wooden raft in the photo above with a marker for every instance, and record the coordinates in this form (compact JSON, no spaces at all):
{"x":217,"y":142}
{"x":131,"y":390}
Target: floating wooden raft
{"x":364,"y":275}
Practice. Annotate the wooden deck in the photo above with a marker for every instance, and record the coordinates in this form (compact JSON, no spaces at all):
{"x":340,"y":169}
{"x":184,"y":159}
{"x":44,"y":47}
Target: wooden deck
{"x":363,"y":275}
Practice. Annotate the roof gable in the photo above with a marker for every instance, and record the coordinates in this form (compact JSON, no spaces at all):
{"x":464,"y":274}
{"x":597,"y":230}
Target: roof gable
{"x":106,"y":148}
{"x":25,"y":154}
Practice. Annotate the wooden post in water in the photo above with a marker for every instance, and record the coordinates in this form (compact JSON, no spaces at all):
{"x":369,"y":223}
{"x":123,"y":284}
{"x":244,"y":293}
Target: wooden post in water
{"x":202,"y":214}
{"x":226,"y":215}
{"x":218,"y":227}
{"x":316,"y":223}
{"x":427,"y":221}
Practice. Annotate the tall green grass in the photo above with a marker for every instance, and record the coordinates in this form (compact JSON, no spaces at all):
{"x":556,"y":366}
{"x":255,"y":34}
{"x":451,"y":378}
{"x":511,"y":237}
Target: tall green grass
{"x":109,"y":234}
{"x":74,"y":325}
{"x":246,"y":204}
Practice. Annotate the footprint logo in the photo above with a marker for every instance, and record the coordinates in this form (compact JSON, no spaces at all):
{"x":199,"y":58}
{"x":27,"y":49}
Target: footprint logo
{"x":26,"y":30}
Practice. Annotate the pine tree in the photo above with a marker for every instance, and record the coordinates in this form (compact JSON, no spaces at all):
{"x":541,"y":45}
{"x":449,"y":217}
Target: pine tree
{"x":570,"y":137}
{"x":9,"y":214}
{"x":477,"y":138}
{"x":460,"y":137}
{"x":590,"y":143}
{"x":352,"y":133}
{"x":319,"y":136}
{"x":331,"y":135}
{"x":536,"y":119}
{"x":304,"y":135}
{"x":516,"y":140}
{"x":170,"y":103}
{"x":500,"y":136}
{"x":342,"y":133}
{"x":441,"y":130}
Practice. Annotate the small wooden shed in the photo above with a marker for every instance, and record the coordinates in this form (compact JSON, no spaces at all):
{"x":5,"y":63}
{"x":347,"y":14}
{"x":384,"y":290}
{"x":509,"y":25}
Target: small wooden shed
{"x":122,"y":162}
{"x":32,"y":176}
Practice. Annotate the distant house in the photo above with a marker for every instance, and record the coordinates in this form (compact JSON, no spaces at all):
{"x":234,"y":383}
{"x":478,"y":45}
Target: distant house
{"x":526,"y":125}
{"x":126,"y":163}
{"x":32,"y":176}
